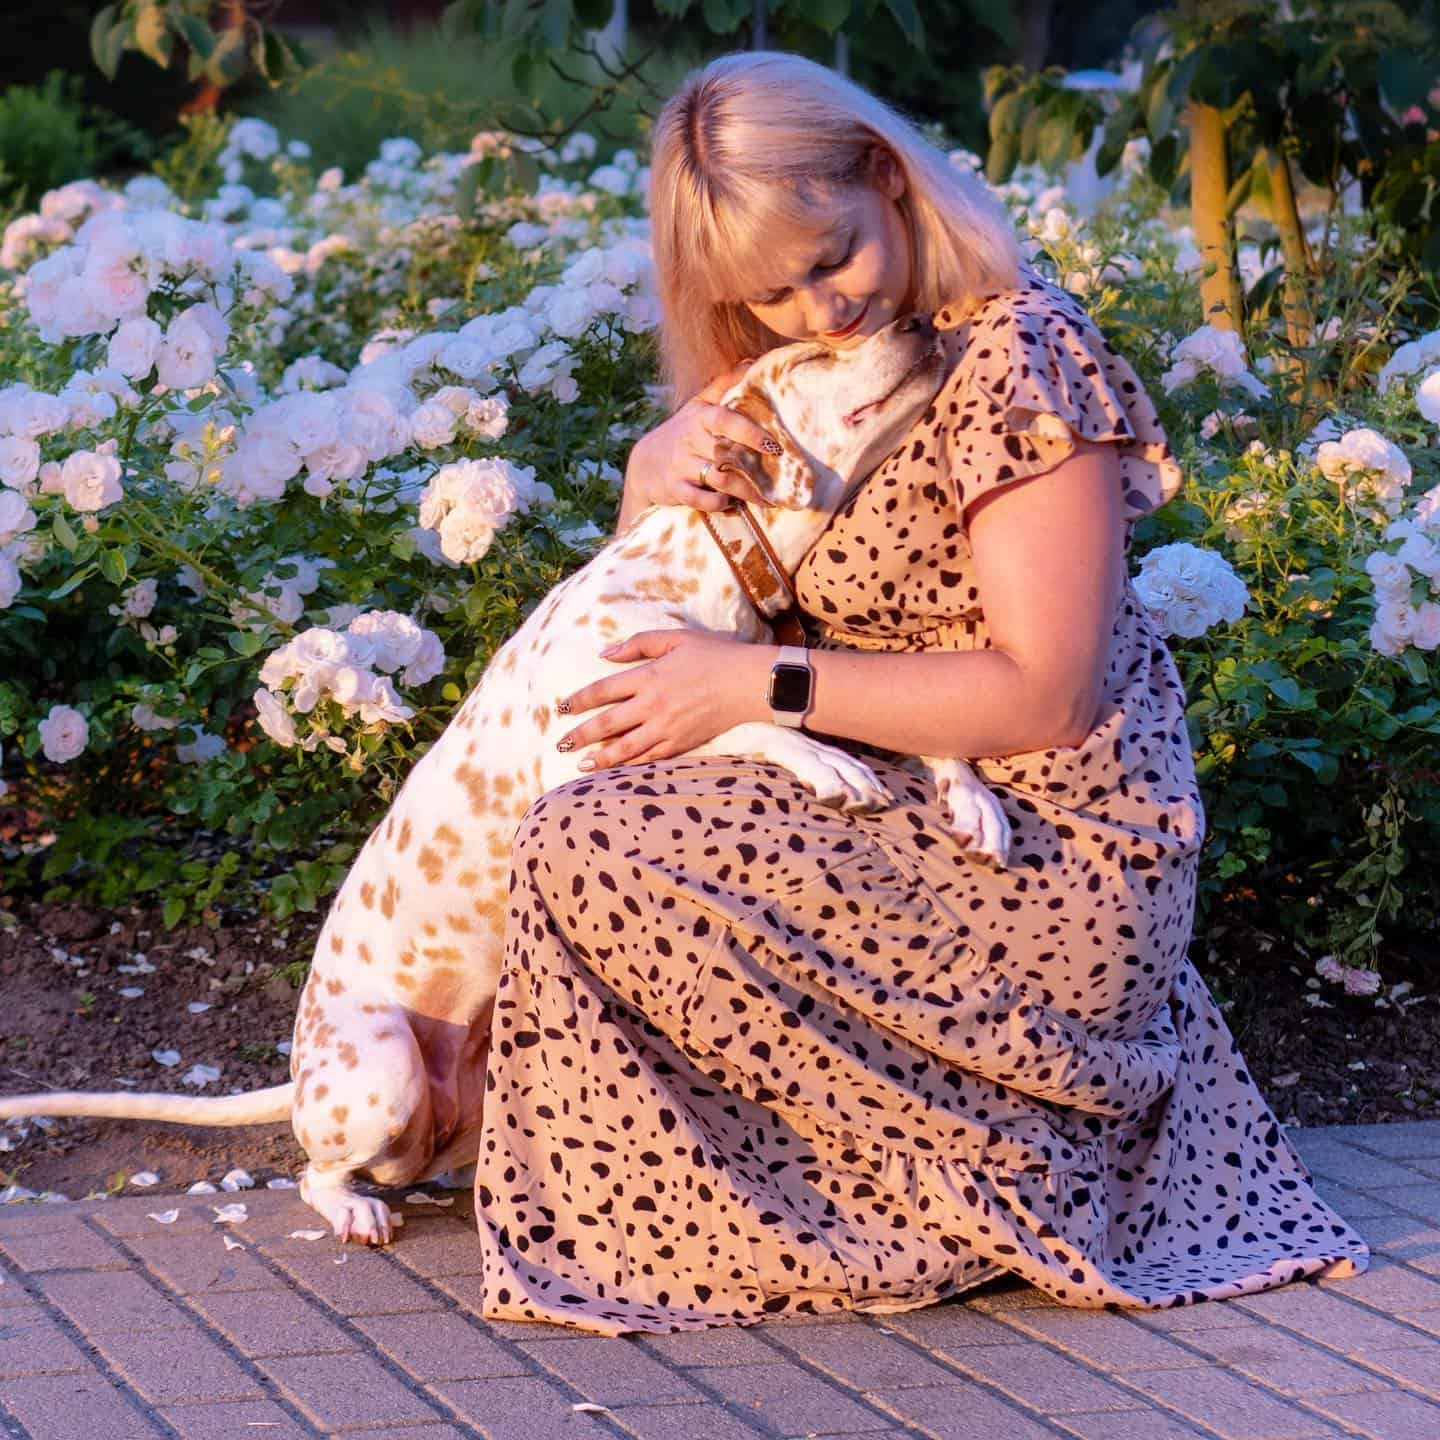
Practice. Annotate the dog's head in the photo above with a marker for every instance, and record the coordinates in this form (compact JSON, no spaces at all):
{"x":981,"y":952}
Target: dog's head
{"x":835,"y":413}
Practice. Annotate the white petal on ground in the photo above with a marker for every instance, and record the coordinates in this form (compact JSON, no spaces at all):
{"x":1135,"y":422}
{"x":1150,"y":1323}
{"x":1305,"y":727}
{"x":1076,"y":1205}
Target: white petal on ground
{"x":238,"y":1180}
{"x":201,"y":1187}
{"x":201,"y":1075}
{"x":586,"y":1407}
{"x":308,"y":1234}
{"x":131,"y":992}
{"x":165,"y":1217}
{"x":198,"y":1007}
{"x":230,"y":1214}
{"x":231,"y":1243}
{"x":168,"y":1058}
{"x":284,"y":1047}
{"x":145,"y":1178}
{"x":281,"y":1183}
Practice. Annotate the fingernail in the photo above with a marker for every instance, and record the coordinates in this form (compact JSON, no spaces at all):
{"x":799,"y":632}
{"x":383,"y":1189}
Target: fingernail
{"x":565,"y":745}
{"x":772,"y":447}
{"x":609,"y":650}
{"x":587,"y":765}
{"x":562,"y":707}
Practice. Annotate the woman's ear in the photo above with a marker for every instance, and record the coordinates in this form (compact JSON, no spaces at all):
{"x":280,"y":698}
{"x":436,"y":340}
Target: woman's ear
{"x":786,"y":479}
{"x":886,"y":176}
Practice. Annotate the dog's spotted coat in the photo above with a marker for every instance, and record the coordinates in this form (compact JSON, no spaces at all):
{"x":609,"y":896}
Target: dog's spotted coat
{"x":752,"y":1056}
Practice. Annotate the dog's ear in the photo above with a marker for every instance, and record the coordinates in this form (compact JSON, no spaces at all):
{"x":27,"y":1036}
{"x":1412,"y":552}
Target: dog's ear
{"x":786,"y":479}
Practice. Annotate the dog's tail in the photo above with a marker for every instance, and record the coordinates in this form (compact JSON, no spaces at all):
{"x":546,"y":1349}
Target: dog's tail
{"x":257,"y":1107}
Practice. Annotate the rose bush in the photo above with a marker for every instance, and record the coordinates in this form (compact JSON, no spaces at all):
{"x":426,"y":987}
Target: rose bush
{"x":284,"y":460}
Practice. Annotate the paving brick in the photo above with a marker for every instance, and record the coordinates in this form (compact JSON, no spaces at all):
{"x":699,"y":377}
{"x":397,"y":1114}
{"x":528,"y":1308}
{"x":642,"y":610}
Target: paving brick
{"x":946,"y":1327}
{"x":1400,"y":1141}
{"x":1227,"y":1404}
{"x":63,"y":1407}
{"x":1284,"y":1363}
{"x":612,"y":1371}
{"x":196,"y":1263}
{"x":723,"y":1345}
{"x":130,"y":1220}
{"x":33,"y":1219}
{"x":170,"y":1367}
{"x":107,"y":1300}
{"x":1329,"y":1320}
{"x":692,"y":1422}
{"x":1390,"y":1287}
{"x":337,"y":1391}
{"x":961,"y":1412}
{"x":788,"y":1401}
{"x":33,"y":1344}
{"x":1353,"y":1205}
{"x":1008,"y":1293}
{"x":1417,"y":1370}
{"x":1181,"y":1319}
{"x":1108,"y":1342}
{"x":14,"y":1295}
{"x":442,"y":1347}
{"x":521,"y":1410}
{"x":1389,"y":1416}
{"x":1038,"y":1377}
{"x":859,"y":1356}
{"x":225,"y":1419}
{"x":368,"y":1283}
{"x":1418,"y":1199}
{"x":1359,"y":1170}
{"x":272,"y":1322}
{"x":71,"y":1247}
{"x":406,"y":1432}
{"x":1131,"y":1425}
{"x":438,"y":1245}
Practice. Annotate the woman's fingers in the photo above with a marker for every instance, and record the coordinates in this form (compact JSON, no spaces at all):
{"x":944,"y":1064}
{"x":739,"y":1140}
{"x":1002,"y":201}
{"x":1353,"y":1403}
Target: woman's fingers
{"x":730,"y":424}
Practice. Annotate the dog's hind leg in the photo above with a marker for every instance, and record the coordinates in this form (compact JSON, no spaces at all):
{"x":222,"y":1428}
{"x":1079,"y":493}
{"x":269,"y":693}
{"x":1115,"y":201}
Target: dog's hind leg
{"x":362,"y":1108}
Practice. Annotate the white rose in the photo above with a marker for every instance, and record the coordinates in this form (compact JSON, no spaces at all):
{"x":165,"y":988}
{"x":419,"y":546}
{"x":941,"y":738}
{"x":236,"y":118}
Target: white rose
{"x":433,"y":424}
{"x":1390,"y":574}
{"x":139,"y":600}
{"x":135,"y":346}
{"x":1393,"y":627}
{"x":64,"y":733}
{"x":1427,"y":397}
{"x":466,"y":535}
{"x":19,"y":461}
{"x":384,"y":704}
{"x":16,"y":517}
{"x":203,"y":748}
{"x":1425,"y":633}
{"x":489,"y":417}
{"x":275,"y":719}
{"x":10,"y":580}
{"x":187,"y":358}
{"x":143,"y":716}
{"x":91,"y":480}
{"x":394,"y":639}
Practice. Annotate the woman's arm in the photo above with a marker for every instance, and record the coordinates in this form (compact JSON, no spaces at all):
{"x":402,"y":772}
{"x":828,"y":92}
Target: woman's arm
{"x":1049,"y":566}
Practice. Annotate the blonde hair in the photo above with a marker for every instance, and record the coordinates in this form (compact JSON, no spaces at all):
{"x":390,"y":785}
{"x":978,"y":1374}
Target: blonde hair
{"x":745,"y":150}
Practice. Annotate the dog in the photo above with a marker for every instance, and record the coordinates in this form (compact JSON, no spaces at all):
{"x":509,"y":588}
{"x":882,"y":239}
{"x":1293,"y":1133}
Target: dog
{"x":392,"y":1032}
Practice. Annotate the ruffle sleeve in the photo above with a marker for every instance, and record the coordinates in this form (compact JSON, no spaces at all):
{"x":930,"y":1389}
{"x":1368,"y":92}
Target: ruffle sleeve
{"x":1033,"y":374}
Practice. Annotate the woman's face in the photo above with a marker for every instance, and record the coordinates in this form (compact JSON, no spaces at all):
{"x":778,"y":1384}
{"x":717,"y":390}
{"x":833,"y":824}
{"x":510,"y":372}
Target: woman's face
{"x":848,"y":278}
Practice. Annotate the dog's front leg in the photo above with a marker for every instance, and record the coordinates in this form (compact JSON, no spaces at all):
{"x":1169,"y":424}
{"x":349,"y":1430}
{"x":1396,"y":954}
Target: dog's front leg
{"x":976,"y":817}
{"x":837,"y":777}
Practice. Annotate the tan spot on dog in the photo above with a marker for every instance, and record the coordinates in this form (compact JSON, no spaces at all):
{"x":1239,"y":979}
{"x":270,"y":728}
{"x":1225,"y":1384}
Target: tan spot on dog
{"x":364,"y":952}
{"x":541,"y":716}
{"x":459,"y":923}
{"x":432,"y":866}
{"x":444,"y":835}
{"x":404,"y":839}
{"x":444,"y":954}
{"x":321,"y":1091}
{"x":367,"y":894}
{"x":337,"y":943}
{"x":389,"y":897}
{"x":349,"y":1055}
{"x":467,"y":878}
{"x":372,"y":1099}
{"x":408,"y":955}
{"x":335,"y":987}
{"x":340,"y":1113}
{"x":498,"y":846}
{"x":505,"y":717}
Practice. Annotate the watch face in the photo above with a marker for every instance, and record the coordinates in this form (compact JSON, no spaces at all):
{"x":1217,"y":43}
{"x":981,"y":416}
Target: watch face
{"x":790,"y":688}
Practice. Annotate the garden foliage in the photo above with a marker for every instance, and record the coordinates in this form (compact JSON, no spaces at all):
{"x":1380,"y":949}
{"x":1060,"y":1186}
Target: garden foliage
{"x":284,"y":457}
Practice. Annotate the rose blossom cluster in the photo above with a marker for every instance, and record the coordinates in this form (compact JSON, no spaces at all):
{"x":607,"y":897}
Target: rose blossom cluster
{"x":1187,"y":589}
{"x":350,"y":668}
{"x":1218,"y":352}
{"x":1355,"y":980}
{"x":1367,"y":467}
{"x":466,"y":502}
{"x":1397,"y":573}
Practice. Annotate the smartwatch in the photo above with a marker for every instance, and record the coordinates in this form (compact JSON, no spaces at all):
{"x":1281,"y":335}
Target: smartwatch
{"x":792,"y":684}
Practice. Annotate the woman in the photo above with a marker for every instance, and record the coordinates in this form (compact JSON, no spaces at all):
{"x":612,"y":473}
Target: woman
{"x":752,"y":1056}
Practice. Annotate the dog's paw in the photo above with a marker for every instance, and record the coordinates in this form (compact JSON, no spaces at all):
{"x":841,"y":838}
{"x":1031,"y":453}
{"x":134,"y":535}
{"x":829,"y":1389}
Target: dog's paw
{"x":352,"y":1216}
{"x":977,"y":819}
{"x":839,"y":779}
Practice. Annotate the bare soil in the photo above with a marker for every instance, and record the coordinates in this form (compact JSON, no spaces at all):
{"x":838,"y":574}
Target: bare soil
{"x":65,"y":1025}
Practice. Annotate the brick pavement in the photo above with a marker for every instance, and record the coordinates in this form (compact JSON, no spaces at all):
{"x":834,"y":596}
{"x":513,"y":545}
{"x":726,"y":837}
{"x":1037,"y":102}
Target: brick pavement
{"x":113,"y":1327}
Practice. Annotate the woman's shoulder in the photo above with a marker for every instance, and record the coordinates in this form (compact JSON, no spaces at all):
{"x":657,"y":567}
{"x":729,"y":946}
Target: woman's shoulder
{"x":1034,"y":300}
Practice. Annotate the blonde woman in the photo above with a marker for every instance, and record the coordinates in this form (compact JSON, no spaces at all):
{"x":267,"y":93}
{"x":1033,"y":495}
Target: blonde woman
{"x":755,"y":1057}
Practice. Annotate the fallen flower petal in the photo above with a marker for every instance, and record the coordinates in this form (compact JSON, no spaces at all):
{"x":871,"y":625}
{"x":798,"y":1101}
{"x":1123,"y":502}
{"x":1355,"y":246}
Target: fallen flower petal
{"x":230,"y":1214}
{"x":198,"y":1007}
{"x":308,"y":1234}
{"x":201,"y":1187}
{"x":231,"y":1243}
{"x":238,"y":1179}
{"x":201,"y":1075}
{"x":281,"y":1183}
{"x":165,"y":1217}
{"x":167,"y":1058}
{"x":145,"y":1178}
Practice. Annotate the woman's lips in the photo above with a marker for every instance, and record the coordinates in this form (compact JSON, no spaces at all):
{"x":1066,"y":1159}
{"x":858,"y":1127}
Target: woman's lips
{"x":851,"y":327}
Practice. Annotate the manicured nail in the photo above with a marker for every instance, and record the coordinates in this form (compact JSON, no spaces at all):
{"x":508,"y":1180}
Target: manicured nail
{"x":587,"y":764}
{"x":562,"y":707}
{"x":566,"y":746}
{"x":609,"y":650}
{"x":772,"y":447}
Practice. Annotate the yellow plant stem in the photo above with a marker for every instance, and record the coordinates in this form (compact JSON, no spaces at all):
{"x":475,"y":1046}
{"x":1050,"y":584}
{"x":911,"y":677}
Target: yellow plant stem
{"x":1299,"y":317}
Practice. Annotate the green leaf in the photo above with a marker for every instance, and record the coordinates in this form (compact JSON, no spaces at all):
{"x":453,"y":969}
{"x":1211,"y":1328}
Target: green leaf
{"x":468,"y":187}
{"x":152,"y":34}
{"x":173,"y":912}
{"x":1005,"y":113}
{"x":113,"y":566}
{"x":64,"y":534}
{"x":555,"y":23}
{"x":907,"y":17}
{"x":826,"y":15}
{"x":196,"y":34}
{"x":724,"y":17}
{"x":244,"y":642}
{"x":74,"y":582}
{"x":107,"y":40}
{"x":451,"y":692}
{"x":1416,"y":667}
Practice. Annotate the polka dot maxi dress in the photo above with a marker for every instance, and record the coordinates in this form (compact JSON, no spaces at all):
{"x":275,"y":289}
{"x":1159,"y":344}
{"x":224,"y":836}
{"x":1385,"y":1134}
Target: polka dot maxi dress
{"x":752,"y":1057}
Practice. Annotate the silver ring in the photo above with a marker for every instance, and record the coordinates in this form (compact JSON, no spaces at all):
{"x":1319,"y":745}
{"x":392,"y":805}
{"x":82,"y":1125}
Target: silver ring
{"x":704,"y":471}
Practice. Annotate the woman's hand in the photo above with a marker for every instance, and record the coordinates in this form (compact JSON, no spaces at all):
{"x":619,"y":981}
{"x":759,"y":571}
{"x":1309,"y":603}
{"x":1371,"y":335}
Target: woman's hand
{"x":665,"y":466}
{"x":696,"y":687}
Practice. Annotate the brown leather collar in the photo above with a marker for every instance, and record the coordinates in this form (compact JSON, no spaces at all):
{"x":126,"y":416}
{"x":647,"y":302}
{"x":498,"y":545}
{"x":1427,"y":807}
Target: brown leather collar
{"x":757,"y":570}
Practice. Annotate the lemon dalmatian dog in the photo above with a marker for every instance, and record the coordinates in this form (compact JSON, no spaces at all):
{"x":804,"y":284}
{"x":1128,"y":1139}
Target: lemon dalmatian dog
{"x":391,"y":1039}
